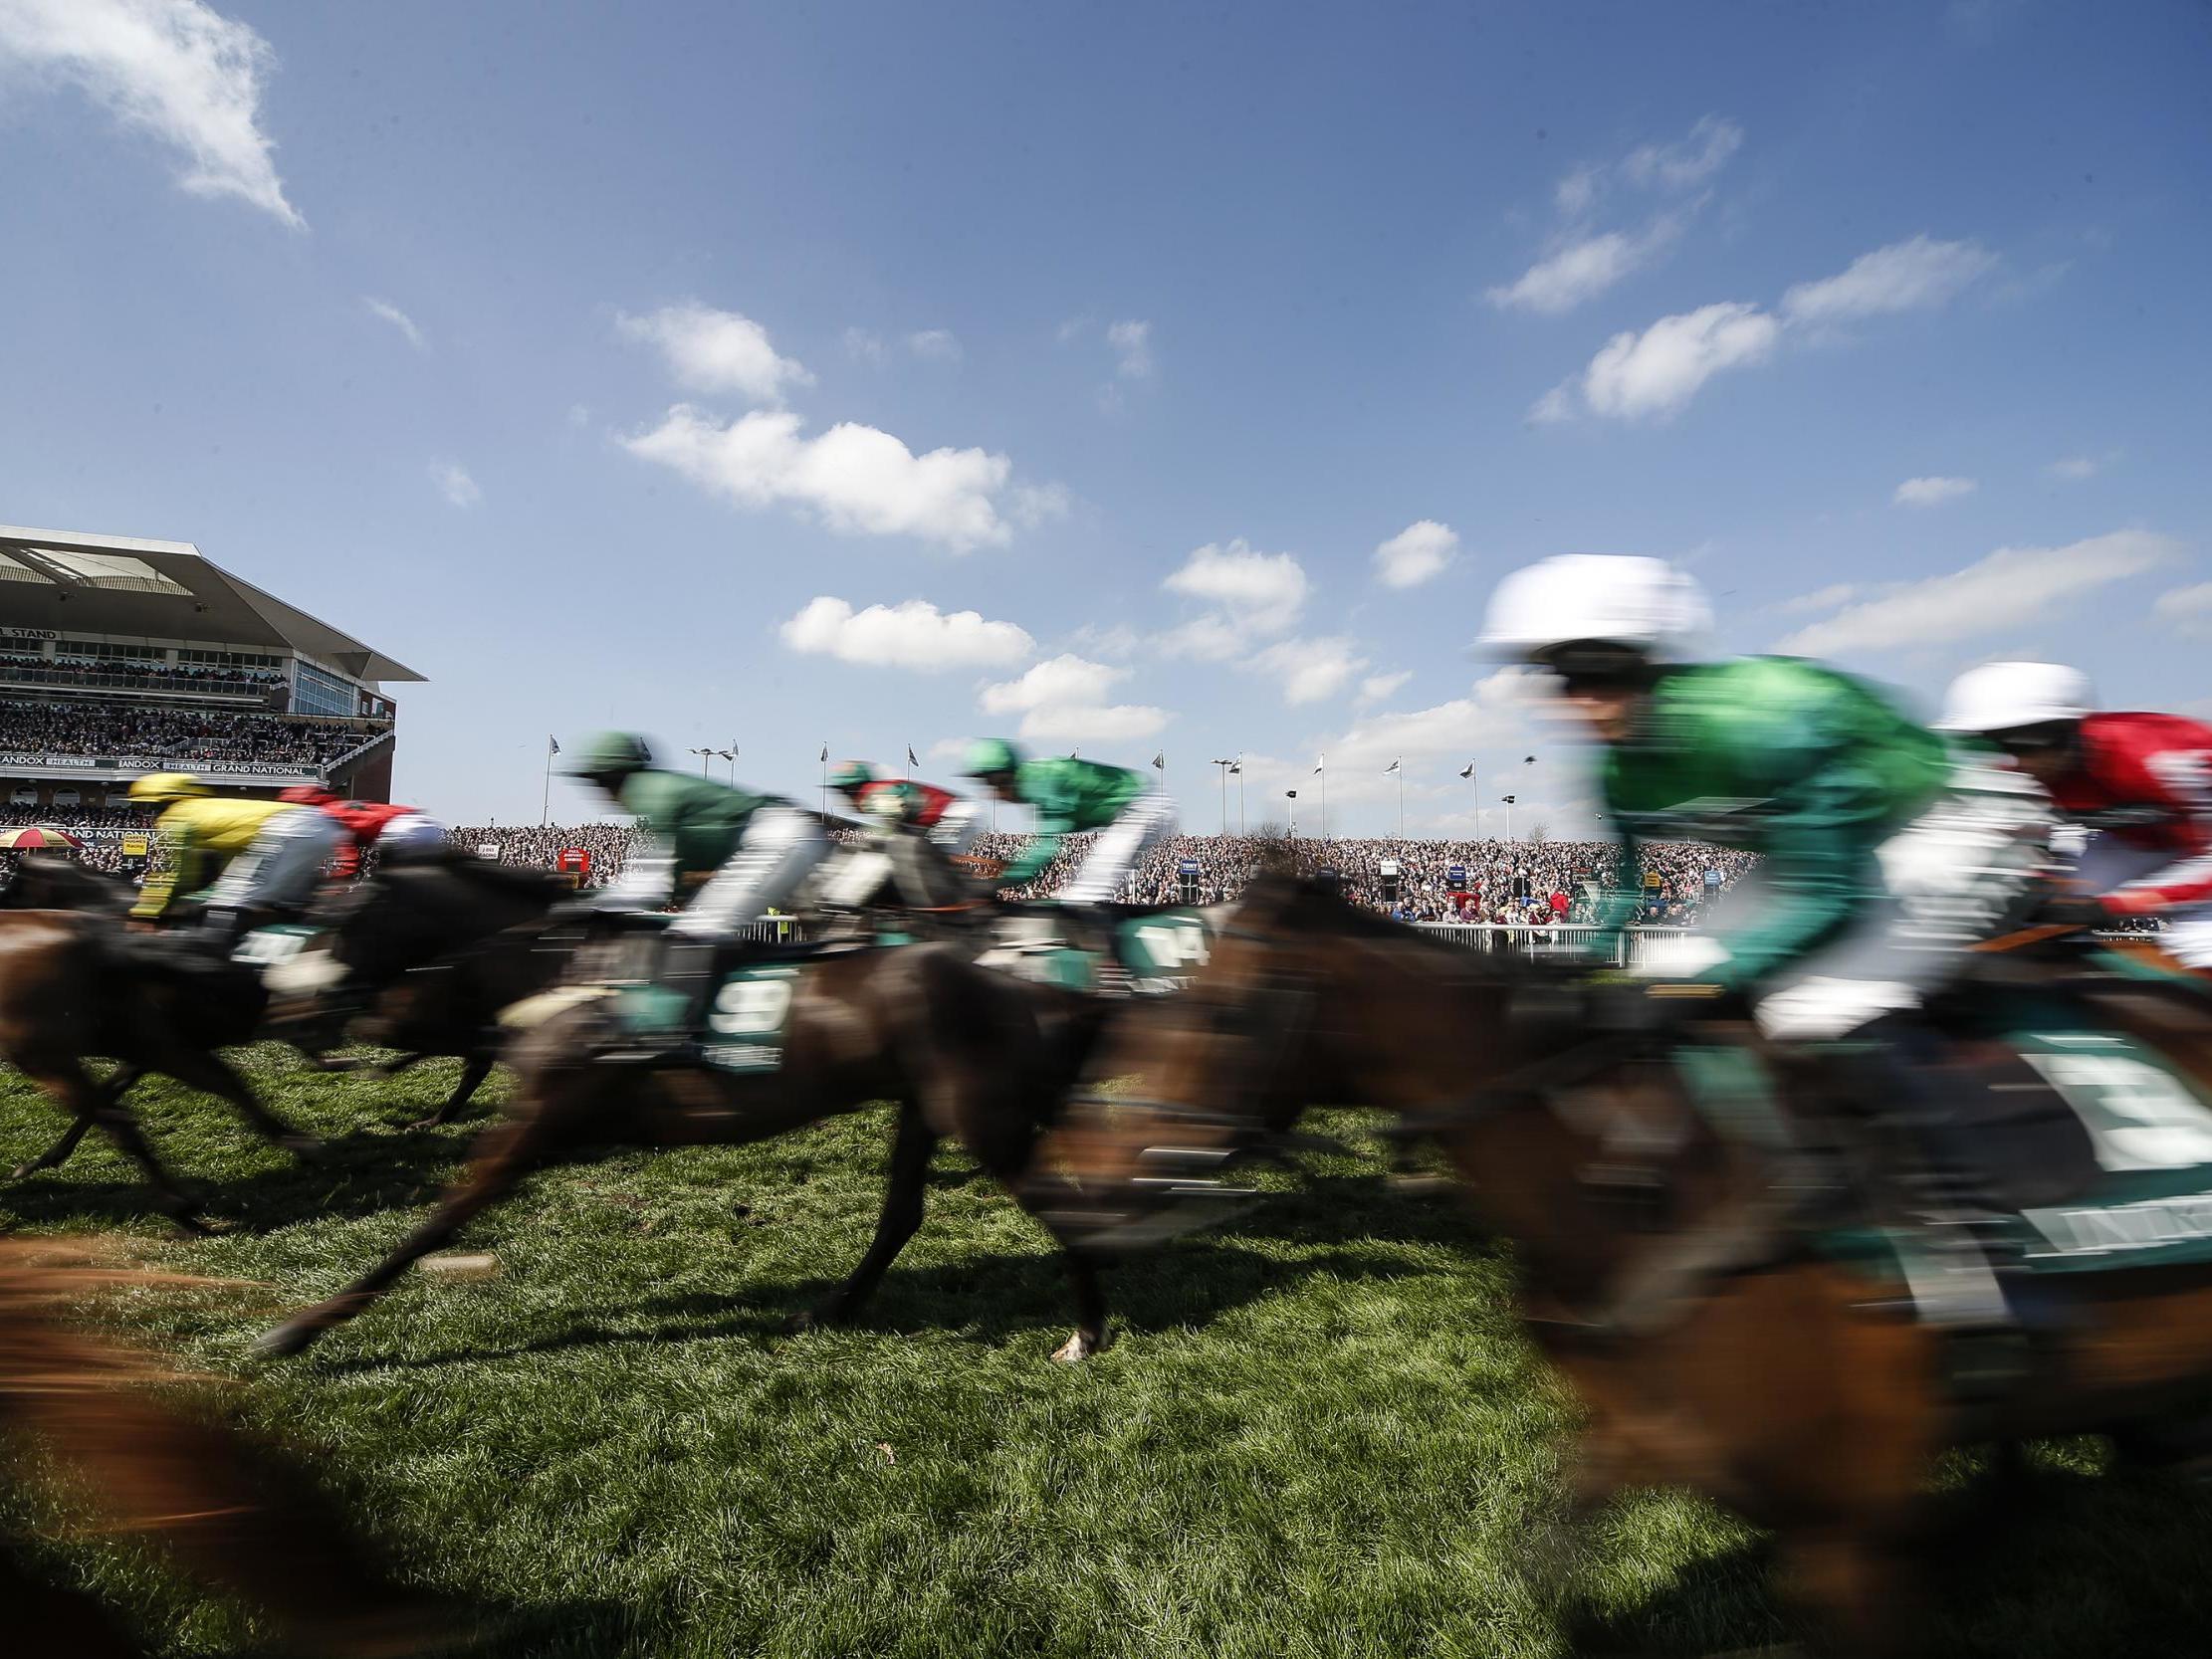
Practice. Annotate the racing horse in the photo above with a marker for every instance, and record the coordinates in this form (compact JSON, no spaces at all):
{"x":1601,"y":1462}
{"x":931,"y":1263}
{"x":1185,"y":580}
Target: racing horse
{"x":1671,"y":1270}
{"x":76,"y":986}
{"x":422,"y":957}
{"x":965,"y":1052}
{"x":219,"y":1505}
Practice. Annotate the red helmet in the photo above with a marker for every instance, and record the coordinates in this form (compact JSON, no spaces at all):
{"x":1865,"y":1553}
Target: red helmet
{"x":308,"y":794}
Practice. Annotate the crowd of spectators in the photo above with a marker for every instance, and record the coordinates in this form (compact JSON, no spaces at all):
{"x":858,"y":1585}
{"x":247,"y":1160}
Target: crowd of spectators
{"x":541,"y":846}
{"x":184,"y":735}
{"x":128,"y":673}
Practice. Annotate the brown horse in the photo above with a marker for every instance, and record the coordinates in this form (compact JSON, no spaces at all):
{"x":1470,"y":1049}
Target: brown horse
{"x":73,"y":987}
{"x":1666,"y":1264}
{"x":967,"y":1053}
{"x":219,"y":1507}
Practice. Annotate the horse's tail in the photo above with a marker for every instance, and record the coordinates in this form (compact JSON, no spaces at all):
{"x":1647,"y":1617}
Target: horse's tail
{"x":229,"y":1513}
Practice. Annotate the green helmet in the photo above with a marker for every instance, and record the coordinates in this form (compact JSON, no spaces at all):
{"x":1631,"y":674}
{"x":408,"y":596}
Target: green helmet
{"x":988,"y":756}
{"x":851,"y":774}
{"x":608,"y":753}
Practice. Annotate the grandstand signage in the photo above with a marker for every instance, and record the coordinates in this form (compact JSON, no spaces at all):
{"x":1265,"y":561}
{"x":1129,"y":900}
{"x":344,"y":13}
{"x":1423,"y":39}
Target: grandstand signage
{"x":1456,"y":875}
{"x":1189,"y":866}
{"x":30,"y":633}
{"x":488,"y":849}
{"x":137,"y":846}
{"x":156,"y":764}
{"x":576,"y":861}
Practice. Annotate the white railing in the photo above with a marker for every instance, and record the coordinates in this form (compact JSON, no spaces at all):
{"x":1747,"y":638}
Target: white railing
{"x":1634,"y":947}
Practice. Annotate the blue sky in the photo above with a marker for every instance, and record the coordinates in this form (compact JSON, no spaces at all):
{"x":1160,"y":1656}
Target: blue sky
{"x":697,"y":369}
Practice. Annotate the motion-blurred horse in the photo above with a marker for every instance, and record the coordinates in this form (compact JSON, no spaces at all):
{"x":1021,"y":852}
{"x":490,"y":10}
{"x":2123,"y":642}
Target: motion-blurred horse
{"x":221,"y":1508}
{"x":965,"y":1052}
{"x":1690,"y":1281}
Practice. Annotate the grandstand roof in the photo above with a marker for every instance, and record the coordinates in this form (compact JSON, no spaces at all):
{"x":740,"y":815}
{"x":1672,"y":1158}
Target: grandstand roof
{"x":117,"y":584}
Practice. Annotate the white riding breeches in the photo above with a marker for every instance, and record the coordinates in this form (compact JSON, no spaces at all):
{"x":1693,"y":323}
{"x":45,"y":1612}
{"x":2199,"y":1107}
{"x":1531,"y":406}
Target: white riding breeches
{"x":283,"y":864}
{"x":780,"y":848}
{"x":953,"y":834}
{"x":1955,"y":876}
{"x":2109,"y":863}
{"x":1101,"y":879}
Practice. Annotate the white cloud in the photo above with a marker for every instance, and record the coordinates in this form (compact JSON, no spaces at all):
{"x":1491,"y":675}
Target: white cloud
{"x":855,"y":479}
{"x":1579,"y":190}
{"x":1377,"y":687}
{"x":710,"y":350}
{"x":1903,"y":277}
{"x":1309,"y":668}
{"x":1066,"y":697}
{"x":2073,"y":469}
{"x":862,"y":346}
{"x":1132,"y":344}
{"x":1211,"y":638}
{"x":454,"y":483}
{"x":392,"y":315}
{"x":2187,"y":610}
{"x":2010,"y":587}
{"x":936,"y":344}
{"x":1585,"y":269}
{"x":1820,"y":599}
{"x":1032,"y":505}
{"x":914,"y":634}
{"x":173,"y":69}
{"x":1659,"y":370}
{"x":1691,"y":162}
{"x":1416,"y":553}
{"x":1556,"y":405}
{"x":1931,"y":491}
{"x":1266,"y":591}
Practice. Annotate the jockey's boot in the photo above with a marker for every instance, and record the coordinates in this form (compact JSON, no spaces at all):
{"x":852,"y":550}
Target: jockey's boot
{"x":1959,"y":1264}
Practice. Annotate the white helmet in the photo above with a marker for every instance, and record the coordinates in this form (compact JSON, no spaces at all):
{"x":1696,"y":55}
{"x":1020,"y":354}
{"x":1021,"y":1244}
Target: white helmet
{"x":1645,"y":604}
{"x":2001,"y":697}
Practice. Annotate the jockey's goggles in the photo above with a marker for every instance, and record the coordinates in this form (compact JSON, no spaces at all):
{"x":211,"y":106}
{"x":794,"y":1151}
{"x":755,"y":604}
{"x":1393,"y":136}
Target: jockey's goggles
{"x":1595,"y":666}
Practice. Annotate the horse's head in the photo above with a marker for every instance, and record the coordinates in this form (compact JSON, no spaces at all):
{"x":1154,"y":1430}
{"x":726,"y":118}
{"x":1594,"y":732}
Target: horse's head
{"x":56,"y":882}
{"x":1303,"y":1001}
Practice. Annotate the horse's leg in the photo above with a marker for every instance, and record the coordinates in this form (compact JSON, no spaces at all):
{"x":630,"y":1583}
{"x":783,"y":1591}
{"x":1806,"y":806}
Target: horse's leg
{"x":1002,"y":1132}
{"x":119,"y":1084}
{"x":475,"y":1068}
{"x":205,"y":1069}
{"x":1846,"y":1582}
{"x":504,"y":1153}
{"x":903,"y":1196}
{"x":65,"y":1080}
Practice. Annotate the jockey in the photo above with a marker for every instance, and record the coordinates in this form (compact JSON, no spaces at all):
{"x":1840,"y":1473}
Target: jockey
{"x":899,"y":800}
{"x":397,"y":832}
{"x":749,"y":852}
{"x":1882,"y":860}
{"x":1070,"y":795}
{"x":260,"y":855}
{"x":2143,"y":782}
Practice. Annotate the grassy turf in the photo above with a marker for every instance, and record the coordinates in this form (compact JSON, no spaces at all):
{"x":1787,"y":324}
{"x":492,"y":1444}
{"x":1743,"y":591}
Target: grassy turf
{"x":1317,"y":1434}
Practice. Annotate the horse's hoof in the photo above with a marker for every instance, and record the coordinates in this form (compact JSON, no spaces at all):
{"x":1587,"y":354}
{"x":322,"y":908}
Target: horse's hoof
{"x":284,"y":1342}
{"x":1078,"y":1349}
{"x":24,"y":1171}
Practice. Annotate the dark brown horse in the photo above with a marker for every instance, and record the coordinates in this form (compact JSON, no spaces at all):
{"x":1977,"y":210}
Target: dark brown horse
{"x":1665,"y":1266}
{"x":222,"y":1509}
{"x":74,"y":987}
{"x":966,"y":1053}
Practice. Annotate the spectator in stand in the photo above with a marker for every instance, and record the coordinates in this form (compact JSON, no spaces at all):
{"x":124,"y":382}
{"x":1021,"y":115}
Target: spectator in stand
{"x":190,"y":737}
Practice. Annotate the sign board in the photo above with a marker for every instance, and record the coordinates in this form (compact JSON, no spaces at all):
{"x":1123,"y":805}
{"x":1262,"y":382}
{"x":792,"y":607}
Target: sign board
{"x":1456,"y":875}
{"x":137,"y":846}
{"x":573,"y":860}
{"x":1389,"y":867}
{"x":1189,"y":866}
{"x":1712,"y":878}
{"x":488,"y":849}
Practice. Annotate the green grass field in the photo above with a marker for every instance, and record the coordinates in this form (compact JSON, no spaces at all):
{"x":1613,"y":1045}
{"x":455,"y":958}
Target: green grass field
{"x":1318,"y":1433}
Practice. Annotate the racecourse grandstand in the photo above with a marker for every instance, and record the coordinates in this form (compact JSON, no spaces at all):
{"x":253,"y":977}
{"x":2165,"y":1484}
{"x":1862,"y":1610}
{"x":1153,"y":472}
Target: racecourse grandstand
{"x":120,"y":657}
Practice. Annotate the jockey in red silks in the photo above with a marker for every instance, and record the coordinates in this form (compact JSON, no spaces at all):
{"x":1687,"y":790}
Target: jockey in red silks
{"x":2143,"y":782}
{"x":395,"y":831}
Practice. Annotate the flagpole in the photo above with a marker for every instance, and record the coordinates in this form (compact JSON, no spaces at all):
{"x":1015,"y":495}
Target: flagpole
{"x":1401,"y":797}
{"x":825,"y":778}
{"x":1323,"y":770}
{"x":545,"y":802}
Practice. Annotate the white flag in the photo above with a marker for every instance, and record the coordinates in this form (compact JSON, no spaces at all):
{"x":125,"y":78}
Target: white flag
{"x":1319,"y":763}
{"x":1391,"y":767}
{"x":1467,"y":771}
